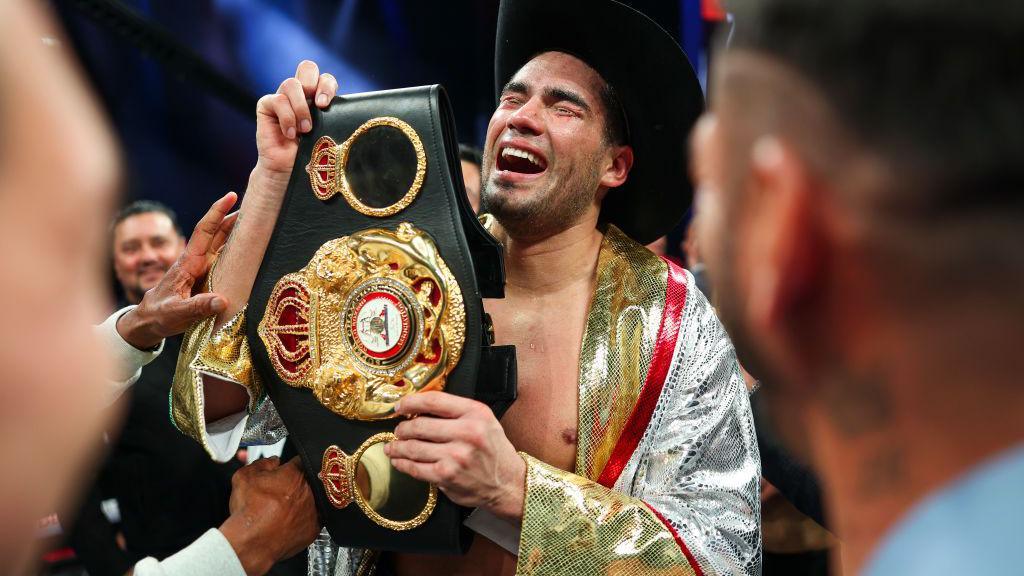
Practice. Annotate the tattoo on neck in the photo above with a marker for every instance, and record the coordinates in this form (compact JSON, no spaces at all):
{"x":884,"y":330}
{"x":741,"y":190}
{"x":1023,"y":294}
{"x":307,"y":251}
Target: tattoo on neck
{"x":858,"y":404}
{"x":881,"y":472}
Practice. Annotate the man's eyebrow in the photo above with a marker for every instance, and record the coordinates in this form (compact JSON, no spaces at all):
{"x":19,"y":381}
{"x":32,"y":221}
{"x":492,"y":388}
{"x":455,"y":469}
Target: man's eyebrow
{"x":565,"y":95}
{"x":515,"y":86}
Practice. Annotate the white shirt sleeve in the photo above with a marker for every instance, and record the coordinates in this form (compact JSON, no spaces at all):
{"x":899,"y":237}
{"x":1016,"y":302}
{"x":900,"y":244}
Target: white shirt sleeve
{"x":210,"y":555}
{"x":225,"y":435}
{"x":128,"y":360}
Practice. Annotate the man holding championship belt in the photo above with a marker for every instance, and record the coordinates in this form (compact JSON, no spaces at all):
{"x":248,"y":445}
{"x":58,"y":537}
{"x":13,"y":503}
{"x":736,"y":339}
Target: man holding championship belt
{"x":630,"y":448}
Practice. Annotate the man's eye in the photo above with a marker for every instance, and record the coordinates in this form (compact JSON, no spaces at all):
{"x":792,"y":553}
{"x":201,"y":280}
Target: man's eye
{"x":512,"y":100}
{"x":563,"y":111}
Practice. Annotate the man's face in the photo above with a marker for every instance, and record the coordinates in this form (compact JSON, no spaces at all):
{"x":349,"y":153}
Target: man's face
{"x":719,"y":229}
{"x":754,"y":233}
{"x":145,"y":246}
{"x":546,"y":151}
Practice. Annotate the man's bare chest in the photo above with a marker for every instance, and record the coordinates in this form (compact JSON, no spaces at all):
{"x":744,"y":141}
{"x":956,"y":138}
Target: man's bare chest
{"x":543,"y":420}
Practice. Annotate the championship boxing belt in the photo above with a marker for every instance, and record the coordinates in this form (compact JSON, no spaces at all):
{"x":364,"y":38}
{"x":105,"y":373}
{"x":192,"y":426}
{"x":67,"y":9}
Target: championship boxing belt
{"x":370,"y":290}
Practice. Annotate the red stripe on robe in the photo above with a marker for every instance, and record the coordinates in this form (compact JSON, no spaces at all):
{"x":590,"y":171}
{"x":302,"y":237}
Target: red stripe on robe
{"x":682,"y":545}
{"x":664,"y":349}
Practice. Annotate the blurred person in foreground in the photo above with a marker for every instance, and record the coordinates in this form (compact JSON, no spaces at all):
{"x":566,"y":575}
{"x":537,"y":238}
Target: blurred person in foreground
{"x":58,"y":170}
{"x":862,"y":213}
{"x":631,"y":416}
{"x":58,"y":174}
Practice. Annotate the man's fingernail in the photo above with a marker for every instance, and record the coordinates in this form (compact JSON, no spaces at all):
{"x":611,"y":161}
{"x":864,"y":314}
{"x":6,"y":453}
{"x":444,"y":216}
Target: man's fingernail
{"x":398,"y":407}
{"x":218,"y":306}
{"x":291,"y":133}
{"x":307,"y":125}
{"x":321,"y":99}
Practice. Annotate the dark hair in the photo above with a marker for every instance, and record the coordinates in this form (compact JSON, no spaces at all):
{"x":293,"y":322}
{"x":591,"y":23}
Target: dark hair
{"x":145,"y":207}
{"x":934,"y":87}
{"x":471,"y":154}
{"x":616,"y":130}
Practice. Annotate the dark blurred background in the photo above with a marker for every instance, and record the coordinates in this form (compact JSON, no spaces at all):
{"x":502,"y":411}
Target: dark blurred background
{"x":185,"y":146}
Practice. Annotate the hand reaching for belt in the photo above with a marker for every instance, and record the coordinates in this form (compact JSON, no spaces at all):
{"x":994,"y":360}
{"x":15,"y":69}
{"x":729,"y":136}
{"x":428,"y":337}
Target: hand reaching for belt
{"x":273,"y":515}
{"x":170,"y":307}
{"x":458,"y":444}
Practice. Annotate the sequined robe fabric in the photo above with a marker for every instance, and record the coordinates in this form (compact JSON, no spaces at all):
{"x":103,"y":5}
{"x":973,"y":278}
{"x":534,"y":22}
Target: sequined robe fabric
{"x":666,"y":478}
{"x":667,"y":469}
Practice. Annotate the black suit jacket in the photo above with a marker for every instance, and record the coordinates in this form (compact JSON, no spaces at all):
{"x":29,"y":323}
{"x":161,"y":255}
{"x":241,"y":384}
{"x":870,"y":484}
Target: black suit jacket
{"x":168,"y":489}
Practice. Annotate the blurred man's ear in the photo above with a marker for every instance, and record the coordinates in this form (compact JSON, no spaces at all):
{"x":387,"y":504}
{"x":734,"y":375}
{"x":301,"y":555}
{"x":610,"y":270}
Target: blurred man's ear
{"x":618,"y":169}
{"x":786,"y":246}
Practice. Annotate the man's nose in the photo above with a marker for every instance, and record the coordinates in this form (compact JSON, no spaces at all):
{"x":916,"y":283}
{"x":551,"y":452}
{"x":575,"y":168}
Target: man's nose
{"x":147,"y":254}
{"x":526,"y":119}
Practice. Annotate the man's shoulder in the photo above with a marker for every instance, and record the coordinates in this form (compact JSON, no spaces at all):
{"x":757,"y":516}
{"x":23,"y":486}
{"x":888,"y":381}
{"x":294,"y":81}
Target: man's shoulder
{"x":969,"y":526}
{"x":630,"y":263}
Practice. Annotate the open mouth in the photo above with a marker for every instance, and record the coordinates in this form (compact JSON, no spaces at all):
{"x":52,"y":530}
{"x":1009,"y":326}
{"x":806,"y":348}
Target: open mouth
{"x":515,"y":159}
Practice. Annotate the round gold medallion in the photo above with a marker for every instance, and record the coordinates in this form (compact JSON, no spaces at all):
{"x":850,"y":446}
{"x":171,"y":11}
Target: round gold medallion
{"x":381,"y":319}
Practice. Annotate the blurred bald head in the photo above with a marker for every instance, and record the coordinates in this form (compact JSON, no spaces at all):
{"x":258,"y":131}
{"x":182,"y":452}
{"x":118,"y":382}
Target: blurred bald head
{"x":907,"y":111}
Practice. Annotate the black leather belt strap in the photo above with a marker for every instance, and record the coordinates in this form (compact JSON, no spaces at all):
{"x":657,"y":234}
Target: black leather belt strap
{"x":474,"y":258}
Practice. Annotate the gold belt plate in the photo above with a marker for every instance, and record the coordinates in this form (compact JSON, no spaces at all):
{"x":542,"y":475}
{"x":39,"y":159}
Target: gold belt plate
{"x":373,"y":317}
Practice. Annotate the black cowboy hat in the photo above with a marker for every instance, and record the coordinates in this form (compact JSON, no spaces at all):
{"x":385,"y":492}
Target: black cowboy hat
{"x":655,"y":84}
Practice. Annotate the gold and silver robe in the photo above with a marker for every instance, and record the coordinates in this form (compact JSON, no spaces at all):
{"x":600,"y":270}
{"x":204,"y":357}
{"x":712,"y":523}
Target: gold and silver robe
{"x":667,"y":469}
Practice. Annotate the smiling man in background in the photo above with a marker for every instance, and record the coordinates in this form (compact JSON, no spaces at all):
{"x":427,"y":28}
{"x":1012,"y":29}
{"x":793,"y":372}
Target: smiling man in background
{"x":168,"y":493}
{"x":146,"y":241}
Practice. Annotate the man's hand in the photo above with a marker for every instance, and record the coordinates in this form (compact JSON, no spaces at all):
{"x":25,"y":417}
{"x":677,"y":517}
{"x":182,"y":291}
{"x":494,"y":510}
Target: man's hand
{"x":458,"y":444}
{"x":283,"y":116}
{"x":170,"y":308}
{"x":280,"y":119}
{"x":273,"y":516}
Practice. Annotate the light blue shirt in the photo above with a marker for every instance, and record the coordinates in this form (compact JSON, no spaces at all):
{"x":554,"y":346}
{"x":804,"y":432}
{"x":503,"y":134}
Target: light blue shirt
{"x":974,"y":526}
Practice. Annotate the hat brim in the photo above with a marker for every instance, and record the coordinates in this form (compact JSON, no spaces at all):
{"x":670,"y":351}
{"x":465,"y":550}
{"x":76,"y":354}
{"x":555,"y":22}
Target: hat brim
{"x":655,"y":83}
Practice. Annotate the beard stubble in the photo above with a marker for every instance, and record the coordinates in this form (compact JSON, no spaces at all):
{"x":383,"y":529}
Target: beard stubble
{"x":554,"y":208}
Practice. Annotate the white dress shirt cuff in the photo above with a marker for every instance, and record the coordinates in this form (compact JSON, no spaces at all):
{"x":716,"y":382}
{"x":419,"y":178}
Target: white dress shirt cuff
{"x":210,"y":555}
{"x":128,"y":360}
{"x":225,"y":436}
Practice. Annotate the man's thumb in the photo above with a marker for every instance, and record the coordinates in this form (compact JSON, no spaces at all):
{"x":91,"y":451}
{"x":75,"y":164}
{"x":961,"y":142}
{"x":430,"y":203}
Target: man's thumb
{"x":204,"y":305}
